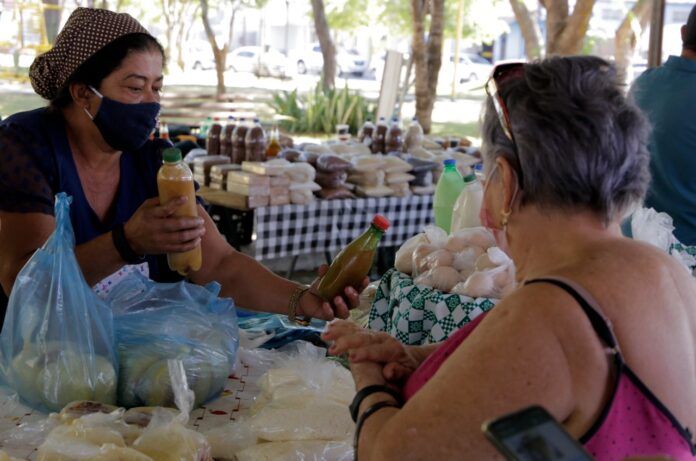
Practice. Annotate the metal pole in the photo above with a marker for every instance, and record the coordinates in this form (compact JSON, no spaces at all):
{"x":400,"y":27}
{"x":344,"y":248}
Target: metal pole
{"x":656,"y":26}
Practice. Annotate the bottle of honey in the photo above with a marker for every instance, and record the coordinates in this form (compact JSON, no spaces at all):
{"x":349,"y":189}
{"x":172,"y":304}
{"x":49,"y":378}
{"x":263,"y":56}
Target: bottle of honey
{"x":353,"y":263}
{"x":274,"y":143}
{"x":174,"y":179}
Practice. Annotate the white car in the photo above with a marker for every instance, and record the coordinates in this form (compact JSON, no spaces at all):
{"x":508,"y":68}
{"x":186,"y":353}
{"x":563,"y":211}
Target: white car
{"x":347,"y":62}
{"x":471,"y":68}
{"x":266,"y":62}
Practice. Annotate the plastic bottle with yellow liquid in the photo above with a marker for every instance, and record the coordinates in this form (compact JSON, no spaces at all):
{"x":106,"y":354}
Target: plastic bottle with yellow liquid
{"x":354,"y":261}
{"x":174,"y":180}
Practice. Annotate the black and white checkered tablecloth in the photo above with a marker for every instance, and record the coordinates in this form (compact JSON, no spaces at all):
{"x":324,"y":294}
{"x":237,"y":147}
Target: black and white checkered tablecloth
{"x":329,"y":225}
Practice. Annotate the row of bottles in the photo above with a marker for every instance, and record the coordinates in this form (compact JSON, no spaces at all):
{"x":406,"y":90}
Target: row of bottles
{"x":384,"y":138}
{"x":457,"y":200}
{"x":240,"y":140}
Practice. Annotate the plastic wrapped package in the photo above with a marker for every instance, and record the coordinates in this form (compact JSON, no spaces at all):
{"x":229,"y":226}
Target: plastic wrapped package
{"x":374,"y":178}
{"x":403,"y":260}
{"x":367,"y":163}
{"x":466,"y":259}
{"x":422,"y":153}
{"x":300,"y":173}
{"x":427,"y":190}
{"x":379,"y":191}
{"x":310,"y":450}
{"x":160,"y":321}
{"x":473,"y":236}
{"x":419,"y":263}
{"x":228,"y":439}
{"x":399,"y":178}
{"x":5,"y":457}
{"x":438,"y":258}
{"x":57,"y":341}
{"x":301,"y":197}
{"x":315,"y":148}
{"x":496,"y":282}
{"x":443,"y":278}
{"x":400,"y":190}
{"x":332,"y":180}
{"x":648,"y":225}
{"x":304,"y":419}
{"x":292,"y":155}
{"x":338,"y":193}
{"x":332,"y":164}
{"x":395,"y":165}
{"x":307,"y":186}
{"x":166,"y":438}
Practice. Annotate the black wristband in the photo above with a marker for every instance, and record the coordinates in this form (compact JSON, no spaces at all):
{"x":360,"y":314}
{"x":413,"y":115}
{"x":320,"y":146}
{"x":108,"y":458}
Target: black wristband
{"x":123,"y":247}
{"x":365,"y":391}
{"x":363,"y":417}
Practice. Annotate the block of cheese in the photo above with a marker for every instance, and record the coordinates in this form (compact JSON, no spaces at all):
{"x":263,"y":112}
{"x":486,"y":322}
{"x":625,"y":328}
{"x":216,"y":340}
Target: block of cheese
{"x":200,"y":179}
{"x":219,"y":172}
{"x":264,"y":168}
{"x":242,"y":177}
{"x":216,"y":185}
{"x":204,"y":163}
{"x":247,"y":189}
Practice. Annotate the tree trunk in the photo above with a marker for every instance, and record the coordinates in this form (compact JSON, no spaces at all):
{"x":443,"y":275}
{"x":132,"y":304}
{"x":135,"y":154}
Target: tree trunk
{"x":427,"y":57}
{"x":627,"y":36}
{"x":556,"y":18}
{"x":571,"y":40}
{"x":328,"y":49}
{"x":52,"y":19}
{"x":529,"y":28}
{"x":218,"y":54}
{"x":167,"y":12}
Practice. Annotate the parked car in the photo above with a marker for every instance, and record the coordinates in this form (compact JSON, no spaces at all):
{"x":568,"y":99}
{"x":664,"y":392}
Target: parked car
{"x":471,"y":68}
{"x":200,"y":55}
{"x":347,"y":62}
{"x":262,"y":61}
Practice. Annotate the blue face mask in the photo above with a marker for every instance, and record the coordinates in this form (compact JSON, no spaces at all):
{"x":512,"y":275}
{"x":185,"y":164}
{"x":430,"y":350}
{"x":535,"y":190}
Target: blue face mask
{"x":125,"y":127}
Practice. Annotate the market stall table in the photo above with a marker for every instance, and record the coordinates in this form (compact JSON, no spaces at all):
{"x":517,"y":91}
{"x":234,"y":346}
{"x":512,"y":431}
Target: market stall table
{"x":323,"y":226}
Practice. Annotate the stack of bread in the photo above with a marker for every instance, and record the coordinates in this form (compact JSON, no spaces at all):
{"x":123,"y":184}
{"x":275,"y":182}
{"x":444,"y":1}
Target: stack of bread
{"x":466,"y":263}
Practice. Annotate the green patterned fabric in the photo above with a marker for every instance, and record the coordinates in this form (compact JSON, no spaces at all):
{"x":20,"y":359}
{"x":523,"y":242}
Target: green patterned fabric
{"x":415,"y":314}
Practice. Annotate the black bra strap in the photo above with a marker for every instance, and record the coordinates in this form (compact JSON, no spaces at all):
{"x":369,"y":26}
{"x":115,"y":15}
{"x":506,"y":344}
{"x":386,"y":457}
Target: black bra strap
{"x":599,"y":323}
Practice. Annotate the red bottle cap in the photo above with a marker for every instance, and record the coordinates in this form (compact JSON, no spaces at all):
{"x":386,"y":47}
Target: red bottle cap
{"x":380,"y":222}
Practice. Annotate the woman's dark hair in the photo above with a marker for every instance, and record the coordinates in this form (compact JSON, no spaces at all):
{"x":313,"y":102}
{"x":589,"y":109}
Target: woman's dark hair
{"x":104,"y":62}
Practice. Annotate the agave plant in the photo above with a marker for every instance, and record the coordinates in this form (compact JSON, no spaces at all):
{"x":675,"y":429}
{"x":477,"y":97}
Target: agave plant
{"x":320,"y":111}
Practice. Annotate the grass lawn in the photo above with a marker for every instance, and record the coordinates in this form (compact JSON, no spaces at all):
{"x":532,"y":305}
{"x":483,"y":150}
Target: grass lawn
{"x":12,"y":102}
{"x":470,"y":130}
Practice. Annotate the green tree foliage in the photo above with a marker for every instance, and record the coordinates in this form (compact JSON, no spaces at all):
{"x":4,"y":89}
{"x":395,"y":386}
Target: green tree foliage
{"x":347,"y":15}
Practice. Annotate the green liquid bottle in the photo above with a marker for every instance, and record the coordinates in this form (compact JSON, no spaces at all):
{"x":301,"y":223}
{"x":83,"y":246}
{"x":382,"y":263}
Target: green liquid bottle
{"x":449,"y":186}
{"x":354,"y":261}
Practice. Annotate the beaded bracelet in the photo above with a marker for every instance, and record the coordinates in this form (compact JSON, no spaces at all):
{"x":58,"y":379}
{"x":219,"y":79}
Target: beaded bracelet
{"x":294,"y":303}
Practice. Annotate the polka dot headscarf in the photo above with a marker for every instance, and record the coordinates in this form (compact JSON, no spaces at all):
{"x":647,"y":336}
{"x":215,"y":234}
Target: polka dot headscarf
{"x":87,"y":31}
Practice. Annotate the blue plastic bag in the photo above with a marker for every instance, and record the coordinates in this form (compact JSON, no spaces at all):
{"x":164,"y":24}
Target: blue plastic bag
{"x":57,"y":343}
{"x":156,"y":322}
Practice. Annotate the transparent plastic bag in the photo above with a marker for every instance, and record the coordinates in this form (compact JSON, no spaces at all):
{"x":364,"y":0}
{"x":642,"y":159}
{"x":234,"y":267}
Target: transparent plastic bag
{"x":159,"y":321}
{"x":57,"y":342}
{"x":648,"y":225}
{"x":166,"y":437}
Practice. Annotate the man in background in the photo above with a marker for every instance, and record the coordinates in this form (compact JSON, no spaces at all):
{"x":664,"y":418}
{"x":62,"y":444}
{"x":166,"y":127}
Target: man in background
{"x":667,"y":96}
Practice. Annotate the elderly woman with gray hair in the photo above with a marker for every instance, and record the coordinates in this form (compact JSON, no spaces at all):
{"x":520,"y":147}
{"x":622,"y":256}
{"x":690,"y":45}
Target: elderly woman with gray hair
{"x":602,"y":329}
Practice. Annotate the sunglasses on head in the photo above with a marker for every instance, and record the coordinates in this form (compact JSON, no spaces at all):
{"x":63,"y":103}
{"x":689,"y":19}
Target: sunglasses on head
{"x":501,"y":74}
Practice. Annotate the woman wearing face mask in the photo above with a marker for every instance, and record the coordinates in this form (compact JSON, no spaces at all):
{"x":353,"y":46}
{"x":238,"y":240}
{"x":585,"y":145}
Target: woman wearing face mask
{"x":103,"y":79}
{"x":601,"y":330}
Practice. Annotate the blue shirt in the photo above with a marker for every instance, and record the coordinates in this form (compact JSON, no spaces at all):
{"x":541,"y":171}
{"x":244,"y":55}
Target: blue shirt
{"x":667,"y":96}
{"x":36,"y":162}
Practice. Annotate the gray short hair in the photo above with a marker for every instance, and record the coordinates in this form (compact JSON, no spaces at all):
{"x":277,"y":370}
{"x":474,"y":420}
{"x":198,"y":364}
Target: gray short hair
{"x":582,"y":145}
